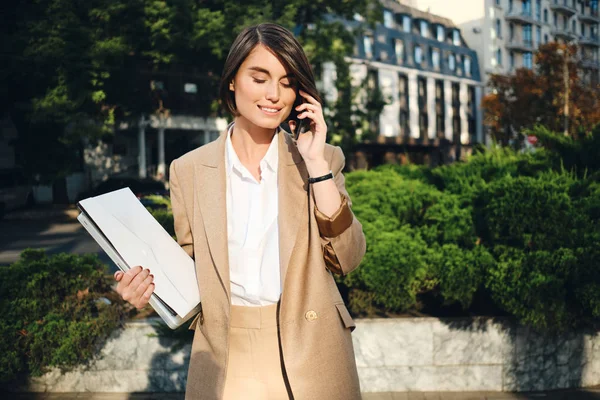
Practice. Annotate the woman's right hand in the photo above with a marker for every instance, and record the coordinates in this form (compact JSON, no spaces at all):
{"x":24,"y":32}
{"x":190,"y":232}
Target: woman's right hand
{"x":135,"y":286}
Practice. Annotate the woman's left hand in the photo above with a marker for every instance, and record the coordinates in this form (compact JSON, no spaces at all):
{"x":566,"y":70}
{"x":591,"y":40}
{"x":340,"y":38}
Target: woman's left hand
{"x":311,"y":144}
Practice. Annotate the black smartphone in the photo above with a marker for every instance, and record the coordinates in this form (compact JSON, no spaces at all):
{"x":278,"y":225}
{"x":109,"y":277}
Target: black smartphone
{"x":302,"y":125}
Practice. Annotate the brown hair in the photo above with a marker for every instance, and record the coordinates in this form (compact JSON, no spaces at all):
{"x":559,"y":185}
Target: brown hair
{"x":282,"y":43}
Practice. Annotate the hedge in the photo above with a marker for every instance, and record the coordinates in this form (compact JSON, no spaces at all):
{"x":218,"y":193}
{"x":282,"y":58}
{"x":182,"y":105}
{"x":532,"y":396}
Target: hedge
{"x":518,"y":230}
{"x":54,"y":311}
{"x":511,"y":233}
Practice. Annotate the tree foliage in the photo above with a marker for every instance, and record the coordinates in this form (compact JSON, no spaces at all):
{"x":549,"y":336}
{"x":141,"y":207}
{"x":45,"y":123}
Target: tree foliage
{"x":530,"y":97}
{"x":71,"y":69}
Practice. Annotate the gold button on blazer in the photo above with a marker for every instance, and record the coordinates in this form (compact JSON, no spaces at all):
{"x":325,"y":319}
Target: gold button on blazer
{"x":315,"y":326}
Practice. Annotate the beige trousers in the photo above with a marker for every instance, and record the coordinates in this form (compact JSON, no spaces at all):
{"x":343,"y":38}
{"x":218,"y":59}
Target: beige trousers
{"x":254,"y":370}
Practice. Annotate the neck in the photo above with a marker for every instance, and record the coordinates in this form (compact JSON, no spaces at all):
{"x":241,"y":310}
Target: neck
{"x":249,"y":141}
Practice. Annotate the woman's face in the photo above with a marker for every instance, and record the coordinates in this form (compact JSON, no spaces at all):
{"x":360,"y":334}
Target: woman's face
{"x":264,"y":93}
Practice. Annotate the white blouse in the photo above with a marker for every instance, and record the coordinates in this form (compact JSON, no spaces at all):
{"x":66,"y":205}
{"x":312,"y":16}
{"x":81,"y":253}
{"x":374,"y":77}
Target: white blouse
{"x":252,"y":228}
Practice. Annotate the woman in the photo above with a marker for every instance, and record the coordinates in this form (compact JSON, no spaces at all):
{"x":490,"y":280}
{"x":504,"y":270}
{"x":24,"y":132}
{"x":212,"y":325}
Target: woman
{"x":267,"y":220}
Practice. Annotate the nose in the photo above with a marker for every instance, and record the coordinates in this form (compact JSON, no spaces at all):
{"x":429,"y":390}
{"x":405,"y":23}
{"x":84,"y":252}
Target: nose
{"x":272,"y":92}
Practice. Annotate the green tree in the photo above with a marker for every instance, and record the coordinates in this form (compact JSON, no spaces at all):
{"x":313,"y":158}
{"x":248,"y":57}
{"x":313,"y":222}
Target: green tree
{"x":71,"y":69}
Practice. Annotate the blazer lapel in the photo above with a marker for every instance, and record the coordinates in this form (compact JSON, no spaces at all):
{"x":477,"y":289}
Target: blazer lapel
{"x":211,"y":194}
{"x":293,"y":178}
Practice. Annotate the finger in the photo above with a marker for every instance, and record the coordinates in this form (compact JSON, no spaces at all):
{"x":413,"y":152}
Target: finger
{"x":146,"y":296}
{"x":311,"y":115}
{"x":139,"y":291}
{"x":139,"y":278}
{"x":308,"y":97}
{"x":130,"y":275}
{"x":292,"y":125}
{"x":308,"y":107}
{"x":118,"y":276}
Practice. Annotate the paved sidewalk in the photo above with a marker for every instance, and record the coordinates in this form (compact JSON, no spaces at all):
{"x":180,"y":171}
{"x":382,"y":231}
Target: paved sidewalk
{"x":591,"y":394}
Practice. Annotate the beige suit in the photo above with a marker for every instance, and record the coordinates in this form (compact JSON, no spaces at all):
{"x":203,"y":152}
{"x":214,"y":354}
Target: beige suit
{"x":314,"y":324}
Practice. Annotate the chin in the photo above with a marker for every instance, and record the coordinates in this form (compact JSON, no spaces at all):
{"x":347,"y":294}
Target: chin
{"x":266,"y":123}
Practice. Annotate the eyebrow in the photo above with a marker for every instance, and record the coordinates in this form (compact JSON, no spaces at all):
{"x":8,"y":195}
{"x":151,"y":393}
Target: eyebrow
{"x":265,"y":71}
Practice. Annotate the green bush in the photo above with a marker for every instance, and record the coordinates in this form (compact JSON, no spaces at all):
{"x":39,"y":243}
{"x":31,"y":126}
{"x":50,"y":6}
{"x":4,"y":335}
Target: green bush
{"x":515,"y":229}
{"x":54,"y":312}
{"x":405,"y":222}
{"x":466,"y":179}
{"x":519,"y":231}
{"x":527,"y":212}
{"x":461,"y":272}
{"x":550,"y":290}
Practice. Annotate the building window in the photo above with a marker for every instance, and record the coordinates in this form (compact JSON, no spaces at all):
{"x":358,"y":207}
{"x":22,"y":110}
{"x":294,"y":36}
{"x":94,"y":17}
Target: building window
{"x":511,"y":60}
{"x":424,"y":29}
{"x":574,"y":26}
{"x":388,"y":19}
{"x":467,"y":66}
{"x":527,"y":7}
{"x":406,"y":23}
{"x":528,"y":60}
{"x":440,"y":109}
{"x":455,"y":113}
{"x":510,"y":6}
{"x":527,"y":38}
{"x":422,"y":102}
{"x":441,"y":33}
{"x":498,"y":2}
{"x":498,"y":28}
{"x":471,"y":114}
{"x":582,"y":29}
{"x":538,"y":35}
{"x":368,"y":44}
{"x":555,"y":19}
{"x":499,"y":56}
{"x":372,"y":86}
{"x":451,"y":62}
{"x":546,"y":38}
{"x":511,"y":32}
{"x":403,"y":100}
{"x":546,"y":16}
{"x":538,"y":10}
{"x":399,"y":51}
{"x":435,"y":58}
{"x":459,"y":64}
{"x":456,"y":37}
{"x":418,"y":54}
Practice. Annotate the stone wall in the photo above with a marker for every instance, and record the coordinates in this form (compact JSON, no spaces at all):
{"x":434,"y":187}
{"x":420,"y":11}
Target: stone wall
{"x":414,"y":354}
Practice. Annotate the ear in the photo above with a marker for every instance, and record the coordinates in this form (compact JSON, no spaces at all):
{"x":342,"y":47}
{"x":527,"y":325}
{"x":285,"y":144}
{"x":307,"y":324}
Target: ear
{"x":231,"y":87}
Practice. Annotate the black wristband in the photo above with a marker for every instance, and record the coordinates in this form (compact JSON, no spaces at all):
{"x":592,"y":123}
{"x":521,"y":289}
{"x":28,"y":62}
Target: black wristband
{"x":321,"y":178}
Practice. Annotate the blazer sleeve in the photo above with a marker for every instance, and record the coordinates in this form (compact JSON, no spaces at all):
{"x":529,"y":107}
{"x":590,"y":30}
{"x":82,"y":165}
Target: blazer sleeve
{"x":183,"y":231}
{"x":342,"y":236}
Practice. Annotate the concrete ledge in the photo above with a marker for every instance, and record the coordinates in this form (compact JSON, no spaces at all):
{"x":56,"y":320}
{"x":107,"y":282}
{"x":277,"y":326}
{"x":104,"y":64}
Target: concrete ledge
{"x":392,"y":355}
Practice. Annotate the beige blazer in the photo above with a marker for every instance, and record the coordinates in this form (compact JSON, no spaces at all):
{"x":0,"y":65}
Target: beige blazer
{"x":315,"y":325}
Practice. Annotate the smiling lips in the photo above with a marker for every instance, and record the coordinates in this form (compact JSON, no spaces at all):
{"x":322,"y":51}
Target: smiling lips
{"x":270,"y":110}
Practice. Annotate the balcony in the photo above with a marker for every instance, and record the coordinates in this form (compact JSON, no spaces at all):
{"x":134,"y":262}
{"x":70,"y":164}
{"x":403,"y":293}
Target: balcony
{"x":590,"y":18}
{"x":563,"y":6}
{"x":522,"y":17}
{"x":590,"y":63}
{"x":521,"y":45}
{"x":589,"y":41}
{"x":563,"y":34}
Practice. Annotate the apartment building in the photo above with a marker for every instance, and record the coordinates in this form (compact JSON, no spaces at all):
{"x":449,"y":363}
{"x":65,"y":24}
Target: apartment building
{"x":429,"y":76}
{"x":506,"y":33}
